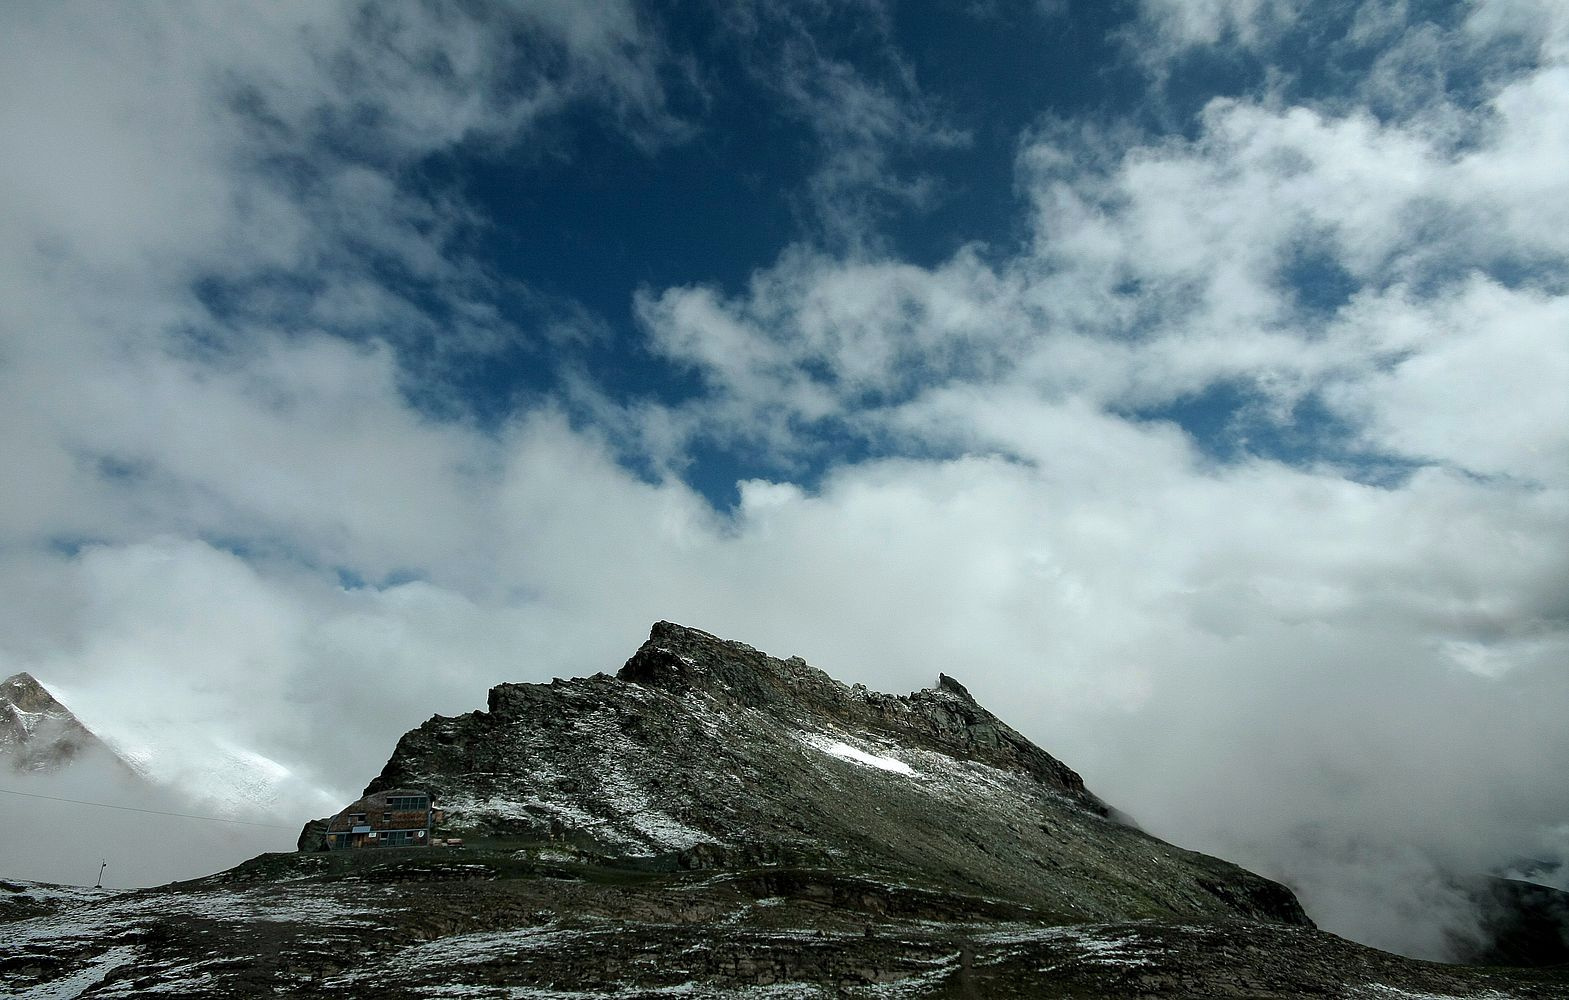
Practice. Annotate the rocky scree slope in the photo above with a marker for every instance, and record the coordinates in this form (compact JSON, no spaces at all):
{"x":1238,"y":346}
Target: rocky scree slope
{"x":706,"y":753}
{"x":415,"y":924}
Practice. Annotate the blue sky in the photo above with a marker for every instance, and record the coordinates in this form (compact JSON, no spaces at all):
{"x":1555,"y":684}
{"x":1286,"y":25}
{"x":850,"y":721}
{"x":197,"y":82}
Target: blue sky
{"x":1186,"y":377}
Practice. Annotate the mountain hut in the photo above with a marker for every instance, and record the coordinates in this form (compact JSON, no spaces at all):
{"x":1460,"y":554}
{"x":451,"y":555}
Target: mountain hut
{"x":398,"y":817}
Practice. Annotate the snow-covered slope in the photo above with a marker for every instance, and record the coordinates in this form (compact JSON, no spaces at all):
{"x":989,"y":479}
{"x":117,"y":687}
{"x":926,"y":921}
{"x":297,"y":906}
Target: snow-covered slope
{"x":213,"y":775}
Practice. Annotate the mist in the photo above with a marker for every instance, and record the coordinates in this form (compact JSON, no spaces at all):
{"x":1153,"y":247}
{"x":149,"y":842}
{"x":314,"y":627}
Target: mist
{"x":65,"y":842}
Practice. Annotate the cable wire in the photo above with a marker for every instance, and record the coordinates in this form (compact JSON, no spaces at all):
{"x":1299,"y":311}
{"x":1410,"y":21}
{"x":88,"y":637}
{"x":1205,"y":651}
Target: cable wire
{"x":155,"y":812}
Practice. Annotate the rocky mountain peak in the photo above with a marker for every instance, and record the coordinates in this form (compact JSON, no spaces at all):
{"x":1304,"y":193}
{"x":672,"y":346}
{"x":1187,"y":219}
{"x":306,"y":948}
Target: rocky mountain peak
{"x":23,"y":692}
{"x":37,"y":733}
{"x":953,"y":687}
{"x":678,"y":658}
{"x":703,"y":752}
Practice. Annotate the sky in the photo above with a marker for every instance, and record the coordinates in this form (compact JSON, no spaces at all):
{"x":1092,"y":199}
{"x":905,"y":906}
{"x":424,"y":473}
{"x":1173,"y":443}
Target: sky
{"x":1190,"y":378}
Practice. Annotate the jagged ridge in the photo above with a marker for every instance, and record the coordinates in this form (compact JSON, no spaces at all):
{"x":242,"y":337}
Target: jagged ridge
{"x":703,"y":752}
{"x":681,"y":659}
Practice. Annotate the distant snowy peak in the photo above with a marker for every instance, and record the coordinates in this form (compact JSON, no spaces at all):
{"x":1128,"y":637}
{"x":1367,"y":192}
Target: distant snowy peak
{"x":37,"y":733}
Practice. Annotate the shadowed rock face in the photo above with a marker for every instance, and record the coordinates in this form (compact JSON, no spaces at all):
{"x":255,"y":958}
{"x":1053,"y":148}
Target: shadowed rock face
{"x":37,"y":733}
{"x":1521,"y":923}
{"x":707,"y":753}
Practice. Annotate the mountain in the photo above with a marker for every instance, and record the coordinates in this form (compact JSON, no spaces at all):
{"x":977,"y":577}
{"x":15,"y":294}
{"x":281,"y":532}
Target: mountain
{"x":40,"y":735}
{"x":712,"y":754}
{"x":1521,"y":923}
{"x":715,"y":822}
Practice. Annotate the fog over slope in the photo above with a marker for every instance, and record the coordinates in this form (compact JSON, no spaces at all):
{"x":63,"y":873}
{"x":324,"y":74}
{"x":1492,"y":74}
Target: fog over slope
{"x":1234,"y":471}
{"x":78,"y":806}
{"x":65,"y":842}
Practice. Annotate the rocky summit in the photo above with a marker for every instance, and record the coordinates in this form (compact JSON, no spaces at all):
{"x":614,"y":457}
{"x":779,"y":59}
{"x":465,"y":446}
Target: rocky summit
{"x":702,"y":753}
{"x":37,"y":733}
{"x":713,"y":821}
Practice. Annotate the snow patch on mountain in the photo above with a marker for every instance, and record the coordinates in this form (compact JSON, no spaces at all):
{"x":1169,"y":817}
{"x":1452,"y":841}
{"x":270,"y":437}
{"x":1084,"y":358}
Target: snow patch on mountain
{"x":79,"y":982}
{"x":469,"y":949}
{"x":1383,"y":992}
{"x":855,"y":755}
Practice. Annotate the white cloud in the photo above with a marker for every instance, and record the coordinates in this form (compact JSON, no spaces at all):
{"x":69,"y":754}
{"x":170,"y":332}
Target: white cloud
{"x":65,"y":841}
{"x":868,"y":114}
{"x":259,"y":151}
{"x":1175,"y":265}
{"x":1475,"y":390}
{"x":1168,"y":29}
